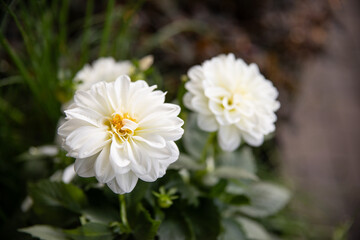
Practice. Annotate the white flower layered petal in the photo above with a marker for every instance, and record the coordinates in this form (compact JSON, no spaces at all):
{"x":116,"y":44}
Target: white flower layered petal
{"x":229,"y":138}
{"x":84,"y":167}
{"x":86,"y":141}
{"x":70,"y":125}
{"x":103,"y":169}
{"x":103,"y":69}
{"x":228,"y":93}
{"x":253,"y":139}
{"x":118,"y":159}
{"x":162,"y":159}
{"x":123,"y":183}
{"x":207,"y":123}
{"x":122,"y":131}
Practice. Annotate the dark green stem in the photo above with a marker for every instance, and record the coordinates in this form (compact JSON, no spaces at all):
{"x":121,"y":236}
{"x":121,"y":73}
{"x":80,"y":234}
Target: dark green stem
{"x":123,"y":215}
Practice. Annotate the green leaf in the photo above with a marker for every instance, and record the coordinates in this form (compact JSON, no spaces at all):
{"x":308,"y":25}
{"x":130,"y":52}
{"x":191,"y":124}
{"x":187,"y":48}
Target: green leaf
{"x":233,"y":173}
{"x":101,"y":214}
{"x":57,"y":194}
{"x":266,"y":199}
{"x":146,"y":227}
{"x":194,"y":139}
{"x":253,"y":230}
{"x":185,"y":161}
{"x":242,"y":158}
{"x":231,"y":230}
{"x":235,"y":199}
{"x":341,"y":232}
{"x":136,"y":195}
{"x":92,"y":231}
{"x":174,"y":227}
{"x":187,"y":191}
{"x":219,"y":188}
{"x":44,"y":232}
{"x":204,"y":220}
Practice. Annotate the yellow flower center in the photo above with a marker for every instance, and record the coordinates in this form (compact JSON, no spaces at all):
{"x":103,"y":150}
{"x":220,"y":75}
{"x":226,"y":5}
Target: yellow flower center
{"x":123,"y":125}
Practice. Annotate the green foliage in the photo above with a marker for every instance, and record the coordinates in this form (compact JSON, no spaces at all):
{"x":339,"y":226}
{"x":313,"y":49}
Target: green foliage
{"x":92,"y":231}
{"x":232,"y":230}
{"x":44,"y":232}
{"x":57,"y":194}
{"x":266,"y":199}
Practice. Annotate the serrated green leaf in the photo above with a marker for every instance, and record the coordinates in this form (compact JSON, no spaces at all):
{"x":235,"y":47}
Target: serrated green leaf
{"x":57,"y":194}
{"x":44,"y":232}
{"x":91,"y":231}
{"x":266,"y":199}
{"x":253,"y":230}
{"x":233,"y":173}
{"x":231,"y":230}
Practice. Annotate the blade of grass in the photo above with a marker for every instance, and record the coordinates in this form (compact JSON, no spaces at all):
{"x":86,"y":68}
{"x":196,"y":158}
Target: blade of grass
{"x":19,"y":64}
{"x":170,"y":30}
{"x":86,"y":34}
{"x":20,"y":27}
{"x":107,"y":25}
{"x":63,"y":26}
{"x":122,"y":38}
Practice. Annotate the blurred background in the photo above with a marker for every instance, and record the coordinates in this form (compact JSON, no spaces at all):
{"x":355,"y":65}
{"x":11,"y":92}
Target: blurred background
{"x":309,"y":49}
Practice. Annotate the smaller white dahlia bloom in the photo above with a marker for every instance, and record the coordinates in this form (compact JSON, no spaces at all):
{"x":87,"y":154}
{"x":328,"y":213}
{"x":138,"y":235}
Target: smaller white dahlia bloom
{"x":232,"y":98}
{"x":121,"y":131}
{"x":103,"y":69}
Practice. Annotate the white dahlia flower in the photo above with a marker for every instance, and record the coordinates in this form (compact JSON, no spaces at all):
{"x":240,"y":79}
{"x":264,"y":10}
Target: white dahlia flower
{"x":103,"y":69}
{"x":232,"y":98}
{"x":121,"y":131}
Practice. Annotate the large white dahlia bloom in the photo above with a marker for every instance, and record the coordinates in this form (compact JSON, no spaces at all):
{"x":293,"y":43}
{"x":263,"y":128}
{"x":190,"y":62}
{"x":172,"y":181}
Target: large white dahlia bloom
{"x":103,"y":69}
{"x":121,"y":131}
{"x":232,"y":98}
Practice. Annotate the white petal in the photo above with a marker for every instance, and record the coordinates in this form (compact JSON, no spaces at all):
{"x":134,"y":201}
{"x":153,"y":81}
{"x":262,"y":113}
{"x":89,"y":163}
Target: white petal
{"x":84,"y":167}
{"x":200,"y":104}
{"x":215,"y":93}
{"x":207,"y":123}
{"x":152,"y":140}
{"x":216,"y":108}
{"x":140,"y":159}
{"x":229,"y":138}
{"x":195,"y":73}
{"x":87,"y":141}
{"x":85,"y":114}
{"x":252,"y":139}
{"x":187,"y":100}
{"x":118,"y":159}
{"x":103,"y":169}
{"x":122,"y":85}
{"x":68,"y":174}
{"x":123,"y":183}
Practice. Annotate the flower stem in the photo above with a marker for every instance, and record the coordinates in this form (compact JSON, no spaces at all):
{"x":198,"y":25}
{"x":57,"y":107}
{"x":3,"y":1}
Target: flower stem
{"x":123,"y":216}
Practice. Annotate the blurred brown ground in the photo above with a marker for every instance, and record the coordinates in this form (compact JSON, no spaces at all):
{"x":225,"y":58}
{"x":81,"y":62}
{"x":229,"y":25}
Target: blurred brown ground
{"x":320,"y":145}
